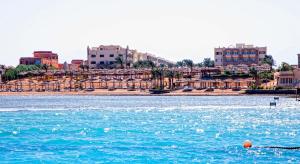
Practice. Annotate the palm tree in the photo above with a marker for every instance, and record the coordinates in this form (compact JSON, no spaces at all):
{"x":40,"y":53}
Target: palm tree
{"x":158,"y":76}
{"x":178,"y":75}
{"x":171,"y":75}
{"x":150,"y":63}
{"x":45,"y":67}
{"x":189,"y":63}
{"x":170,"y":65}
{"x":120,"y":61}
{"x":162,"y":65}
{"x":207,"y":62}
{"x":179,"y":64}
{"x":87,"y":67}
{"x":82,"y":67}
{"x":254,"y":73}
{"x":269,"y":60}
{"x":154,"y":73}
{"x":199,"y":64}
{"x":285,"y":67}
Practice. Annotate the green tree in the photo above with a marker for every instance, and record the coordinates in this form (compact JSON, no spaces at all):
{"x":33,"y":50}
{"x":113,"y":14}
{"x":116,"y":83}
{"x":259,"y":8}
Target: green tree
{"x":189,"y":63}
{"x":170,"y":65}
{"x":82,"y":67}
{"x":199,"y":65}
{"x":179,"y":64}
{"x":87,"y":67}
{"x":254,"y":74}
{"x":178,"y":75}
{"x":150,"y":64}
{"x":269,"y":60}
{"x":207,"y":62}
{"x":170,"y":74}
{"x":137,"y":64}
{"x":120,"y":61}
{"x":285,"y":67}
{"x":10,"y":74}
{"x":45,"y":67}
{"x":158,"y":76}
{"x":266,"y":75}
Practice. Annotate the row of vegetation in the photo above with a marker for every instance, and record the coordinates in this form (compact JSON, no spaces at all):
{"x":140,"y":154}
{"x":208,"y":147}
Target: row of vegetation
{"x":161,"y":72}
{"x":12,"y":73}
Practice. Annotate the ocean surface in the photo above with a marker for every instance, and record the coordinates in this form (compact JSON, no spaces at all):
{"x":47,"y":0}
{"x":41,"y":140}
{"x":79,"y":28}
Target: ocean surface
{"x":99,"y":129}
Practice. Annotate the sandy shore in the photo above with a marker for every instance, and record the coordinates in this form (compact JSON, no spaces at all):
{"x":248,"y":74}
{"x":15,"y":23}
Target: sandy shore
{"x":123,"y":92}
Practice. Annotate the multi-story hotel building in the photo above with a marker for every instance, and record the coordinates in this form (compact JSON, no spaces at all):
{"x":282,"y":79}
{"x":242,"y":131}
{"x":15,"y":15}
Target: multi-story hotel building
{"x":106,"y":56}
{"x":41,"y":57}
{"x":138,"y":56}
{"x":240,"y":54}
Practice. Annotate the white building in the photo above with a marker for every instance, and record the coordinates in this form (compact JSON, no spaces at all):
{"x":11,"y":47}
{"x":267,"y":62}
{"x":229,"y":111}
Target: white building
{"x":104,"y":56}
{"x":147,"y":56}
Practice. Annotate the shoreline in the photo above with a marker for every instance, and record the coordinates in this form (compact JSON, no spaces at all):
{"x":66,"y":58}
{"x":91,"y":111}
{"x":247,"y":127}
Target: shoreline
{"x":121,"y":92}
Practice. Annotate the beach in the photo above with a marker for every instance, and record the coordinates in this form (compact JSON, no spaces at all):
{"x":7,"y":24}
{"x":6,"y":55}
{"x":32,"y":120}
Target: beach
{"x":125,"y":92}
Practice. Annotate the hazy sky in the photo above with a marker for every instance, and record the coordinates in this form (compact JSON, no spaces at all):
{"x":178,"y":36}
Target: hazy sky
{"x":172,"y":29}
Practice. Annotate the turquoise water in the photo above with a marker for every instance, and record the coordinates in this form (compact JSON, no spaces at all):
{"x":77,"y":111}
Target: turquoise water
{"x":88,"y":129}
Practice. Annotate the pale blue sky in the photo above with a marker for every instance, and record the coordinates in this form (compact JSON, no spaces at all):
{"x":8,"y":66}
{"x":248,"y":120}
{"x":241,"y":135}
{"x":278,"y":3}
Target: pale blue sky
{"x":173,"y":29}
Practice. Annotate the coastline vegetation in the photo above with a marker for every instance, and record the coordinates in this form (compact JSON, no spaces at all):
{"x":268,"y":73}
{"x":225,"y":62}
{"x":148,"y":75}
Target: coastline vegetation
{"x":163,"y":76}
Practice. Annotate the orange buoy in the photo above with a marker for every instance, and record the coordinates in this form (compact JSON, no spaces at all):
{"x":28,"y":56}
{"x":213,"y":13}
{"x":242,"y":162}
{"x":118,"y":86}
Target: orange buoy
{"x":247,"y":144}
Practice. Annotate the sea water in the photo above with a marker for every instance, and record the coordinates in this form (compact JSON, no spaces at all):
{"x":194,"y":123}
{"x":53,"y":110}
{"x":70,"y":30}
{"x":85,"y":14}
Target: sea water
{"x":147,"y":129}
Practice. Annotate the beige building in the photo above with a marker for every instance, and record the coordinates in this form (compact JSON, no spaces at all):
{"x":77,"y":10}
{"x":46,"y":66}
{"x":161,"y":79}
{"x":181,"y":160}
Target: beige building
{"x":239,"y":54}
{"x":105,"y":56}
{"x":147,"y":56}
{"x":288,"y":79}
{"x":243,"y":68}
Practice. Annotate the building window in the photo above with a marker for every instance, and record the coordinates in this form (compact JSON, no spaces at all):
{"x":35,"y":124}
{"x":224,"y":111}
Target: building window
{"x":93,"y":56}
{"x":101,"y":56}
{"x":111,"y":55}
{"x":93,"y":62}
{"x":101,"y":49}
{"x":262,"y":52}
{"x":111,"y":62}
{"x":121,"y":55}
{"x":102,"y":62}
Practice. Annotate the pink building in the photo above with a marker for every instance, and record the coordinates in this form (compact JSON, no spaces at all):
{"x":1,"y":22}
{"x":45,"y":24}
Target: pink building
{"x":41,"y":57}
{"x":75,"y":64}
